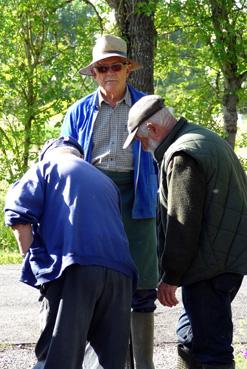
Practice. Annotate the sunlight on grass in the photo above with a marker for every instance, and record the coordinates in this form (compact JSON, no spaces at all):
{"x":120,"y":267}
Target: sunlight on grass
{"x":240,"y":346}
{"x":10,"y":258}
{"x":240,"y":358}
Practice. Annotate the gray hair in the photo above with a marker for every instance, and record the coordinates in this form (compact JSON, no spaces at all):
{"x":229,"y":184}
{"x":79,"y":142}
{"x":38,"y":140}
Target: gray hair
{"x":163,"y":118}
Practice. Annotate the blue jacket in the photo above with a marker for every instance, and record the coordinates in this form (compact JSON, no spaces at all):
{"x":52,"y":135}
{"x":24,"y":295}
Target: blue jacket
{"x":79,"y":123}
{"x":75,"y":212}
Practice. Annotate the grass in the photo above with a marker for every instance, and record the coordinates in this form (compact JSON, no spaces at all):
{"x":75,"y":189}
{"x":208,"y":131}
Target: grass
{"x":240,"y":357}
{"x":10,"y":258}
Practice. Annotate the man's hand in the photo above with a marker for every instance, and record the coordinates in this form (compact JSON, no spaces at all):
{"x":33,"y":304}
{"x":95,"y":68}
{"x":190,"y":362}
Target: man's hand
{"x":167,"y":294}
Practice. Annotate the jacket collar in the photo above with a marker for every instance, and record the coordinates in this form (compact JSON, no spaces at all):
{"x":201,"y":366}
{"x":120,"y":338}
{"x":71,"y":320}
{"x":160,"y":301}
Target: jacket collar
{"x":169,"y":139}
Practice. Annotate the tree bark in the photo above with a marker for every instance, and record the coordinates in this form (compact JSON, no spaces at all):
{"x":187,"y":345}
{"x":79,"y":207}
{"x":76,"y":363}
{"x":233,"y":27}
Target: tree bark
{"x":135,"y":20}
{"x":230,"y":113}
{"x":226,"y":38}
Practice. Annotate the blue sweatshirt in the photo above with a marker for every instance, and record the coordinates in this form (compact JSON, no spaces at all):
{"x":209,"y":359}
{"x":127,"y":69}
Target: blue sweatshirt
{"x":75,"y":213}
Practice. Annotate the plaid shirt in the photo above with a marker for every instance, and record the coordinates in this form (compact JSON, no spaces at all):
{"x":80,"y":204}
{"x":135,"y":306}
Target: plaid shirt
{"x":109,"y":135}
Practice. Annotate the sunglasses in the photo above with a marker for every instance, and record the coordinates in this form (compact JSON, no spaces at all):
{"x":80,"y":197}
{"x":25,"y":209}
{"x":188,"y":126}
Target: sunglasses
{"x":113,"y":67}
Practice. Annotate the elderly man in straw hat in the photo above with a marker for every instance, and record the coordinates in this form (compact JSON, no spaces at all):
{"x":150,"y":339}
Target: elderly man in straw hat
{"x":99,"y":123}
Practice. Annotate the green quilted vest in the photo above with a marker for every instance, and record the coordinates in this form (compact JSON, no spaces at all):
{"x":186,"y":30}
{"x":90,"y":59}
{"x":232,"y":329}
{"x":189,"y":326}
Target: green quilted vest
{"x":223,"y":240}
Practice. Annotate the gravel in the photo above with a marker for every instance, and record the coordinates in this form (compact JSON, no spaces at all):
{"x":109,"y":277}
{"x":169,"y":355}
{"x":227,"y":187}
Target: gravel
{"x":17,"y":357}
{"x":19,"y":325}
{"x":22,"y":357}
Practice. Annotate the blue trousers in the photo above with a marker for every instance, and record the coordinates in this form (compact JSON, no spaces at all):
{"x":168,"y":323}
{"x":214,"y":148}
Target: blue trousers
{"x":205,"y":326}
{"x":143,"y":301}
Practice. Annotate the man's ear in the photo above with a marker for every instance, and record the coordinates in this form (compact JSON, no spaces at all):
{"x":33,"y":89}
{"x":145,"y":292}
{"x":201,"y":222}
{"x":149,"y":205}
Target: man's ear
{"x":128,"y":72}
{"x":93,"y":73}
{"x":153,"y":130}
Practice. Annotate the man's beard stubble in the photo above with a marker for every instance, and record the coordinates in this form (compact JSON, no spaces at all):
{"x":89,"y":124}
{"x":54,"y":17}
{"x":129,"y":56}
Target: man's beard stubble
{"x":152,"y":146}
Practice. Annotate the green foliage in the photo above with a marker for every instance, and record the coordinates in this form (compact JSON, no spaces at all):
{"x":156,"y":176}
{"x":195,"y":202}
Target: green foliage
{"x":7,"y":240}
{"x":243,"y":162}
{"x":146,"y":7}
{"x":240,"y":357}
{"x":45,"y":43}
{"x":240,"y":349}
{"x":192,"y":58}
{"x":10,"y":258}
{"x":180,"y":71}
{"x":243,"y":140}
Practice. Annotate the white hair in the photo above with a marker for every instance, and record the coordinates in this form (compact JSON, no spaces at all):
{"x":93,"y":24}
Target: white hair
{"x":163,"y":118}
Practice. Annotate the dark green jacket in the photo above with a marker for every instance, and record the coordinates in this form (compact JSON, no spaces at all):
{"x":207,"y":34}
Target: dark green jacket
{"x":221,"y":245}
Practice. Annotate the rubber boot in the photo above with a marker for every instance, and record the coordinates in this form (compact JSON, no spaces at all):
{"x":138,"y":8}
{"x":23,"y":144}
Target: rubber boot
{"x":220,"y":366}
{"x":185,"y":360}
{"x":142,"y":332}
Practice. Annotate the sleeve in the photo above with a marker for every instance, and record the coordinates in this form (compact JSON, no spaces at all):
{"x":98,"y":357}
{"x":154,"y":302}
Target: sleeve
{"x":25,"y":199}
{"x":67,"y":128}
{"x":186,"y":188}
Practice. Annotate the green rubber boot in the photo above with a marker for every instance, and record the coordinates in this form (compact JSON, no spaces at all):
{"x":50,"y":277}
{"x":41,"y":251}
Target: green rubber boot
{"x":142,"y":331}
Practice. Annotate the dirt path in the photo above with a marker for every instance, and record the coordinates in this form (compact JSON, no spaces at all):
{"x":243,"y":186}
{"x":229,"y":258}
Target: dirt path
{"x":19,"y":327}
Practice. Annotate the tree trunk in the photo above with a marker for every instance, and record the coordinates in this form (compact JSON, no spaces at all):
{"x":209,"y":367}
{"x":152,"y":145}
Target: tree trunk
{"x":27,"y":143}
{"x":135,"y":20}
{"x":226,"y":39}
{"x":230,"y":114}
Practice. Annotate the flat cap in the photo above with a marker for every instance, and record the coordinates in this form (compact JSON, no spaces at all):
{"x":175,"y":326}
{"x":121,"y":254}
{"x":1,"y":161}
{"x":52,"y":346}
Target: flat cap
{"x":59,"y":142}
{"x":140,"y":112}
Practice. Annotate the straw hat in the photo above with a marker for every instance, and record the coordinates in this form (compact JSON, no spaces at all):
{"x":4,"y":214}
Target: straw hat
{"x":107,"y":46}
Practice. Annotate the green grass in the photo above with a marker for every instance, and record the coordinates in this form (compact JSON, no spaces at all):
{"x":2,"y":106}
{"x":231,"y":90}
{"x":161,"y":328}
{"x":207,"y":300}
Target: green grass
{"x":10,"y":258}
{"x":240,"y":359}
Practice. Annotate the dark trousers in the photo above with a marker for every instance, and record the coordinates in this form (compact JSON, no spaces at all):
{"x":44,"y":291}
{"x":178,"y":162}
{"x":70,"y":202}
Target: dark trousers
{"x":144,"y":301}
{"x":88,"y":303}
{"x":206,"y":326}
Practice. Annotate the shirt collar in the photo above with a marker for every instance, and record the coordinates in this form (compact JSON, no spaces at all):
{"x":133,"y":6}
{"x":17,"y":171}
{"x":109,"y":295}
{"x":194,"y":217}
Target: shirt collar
{"x":126,"y":99}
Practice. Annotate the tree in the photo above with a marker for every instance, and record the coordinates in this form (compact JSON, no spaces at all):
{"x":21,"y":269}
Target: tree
{"x":193,"y":52}
{"x":230,"y":52}
{"x":45,"y":42}
{"x":135,"y":21}
{"x":211,"y":44}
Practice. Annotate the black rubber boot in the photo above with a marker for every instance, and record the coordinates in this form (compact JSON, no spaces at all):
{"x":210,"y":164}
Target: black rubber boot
{"x":185,"y":360}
